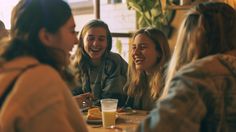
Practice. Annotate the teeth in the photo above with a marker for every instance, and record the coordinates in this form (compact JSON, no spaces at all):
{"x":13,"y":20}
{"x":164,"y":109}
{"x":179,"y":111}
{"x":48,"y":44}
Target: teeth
{"x":95,"y":49}
{"x":138,"y":61}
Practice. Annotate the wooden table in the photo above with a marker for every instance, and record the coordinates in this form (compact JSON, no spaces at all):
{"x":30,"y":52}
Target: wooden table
{"x":124,"y":122}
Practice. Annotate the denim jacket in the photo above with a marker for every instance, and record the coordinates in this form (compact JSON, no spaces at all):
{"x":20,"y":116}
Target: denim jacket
{"x":202,"y":97}
{"x":109,"y":79}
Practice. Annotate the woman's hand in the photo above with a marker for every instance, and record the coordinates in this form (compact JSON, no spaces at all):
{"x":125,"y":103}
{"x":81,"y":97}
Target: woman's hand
{"x":84,"y":100}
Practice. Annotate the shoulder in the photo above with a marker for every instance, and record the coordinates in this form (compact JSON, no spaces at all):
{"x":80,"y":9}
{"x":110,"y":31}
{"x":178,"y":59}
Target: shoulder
{"x":115,"y":63}
{"x":115,"y":57}
{"x":44,"y":76}
{"x":41,"y":74}
{"x":36,"y":89}
{"x":211,"y":65}
{"x":205,"y":74}
{"x":43,"y":71}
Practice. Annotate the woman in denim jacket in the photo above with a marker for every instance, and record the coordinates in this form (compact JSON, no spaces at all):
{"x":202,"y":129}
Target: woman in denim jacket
{"x":97,"y":70}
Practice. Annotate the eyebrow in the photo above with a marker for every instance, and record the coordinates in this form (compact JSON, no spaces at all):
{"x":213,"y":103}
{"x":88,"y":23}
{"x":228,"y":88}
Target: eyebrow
{"x":138,"y":44}
{"x":90,"y":35}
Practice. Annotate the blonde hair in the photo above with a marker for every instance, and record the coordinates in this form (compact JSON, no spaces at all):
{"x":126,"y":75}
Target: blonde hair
{"x":139,"y":83}
{"x":208,"y":29}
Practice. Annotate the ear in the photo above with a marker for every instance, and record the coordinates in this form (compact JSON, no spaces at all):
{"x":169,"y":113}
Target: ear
{"x":45,"y":37}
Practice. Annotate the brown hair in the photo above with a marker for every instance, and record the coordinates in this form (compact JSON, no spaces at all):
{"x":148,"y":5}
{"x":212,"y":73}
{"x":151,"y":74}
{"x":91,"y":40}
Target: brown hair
{"x":139,"y":84}
{"x":80,"y":57}
{"x":28,"y":17}
{"x":208,"y":29}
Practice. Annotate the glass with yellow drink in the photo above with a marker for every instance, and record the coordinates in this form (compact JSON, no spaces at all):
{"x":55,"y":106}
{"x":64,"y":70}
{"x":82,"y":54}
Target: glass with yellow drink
{"x":109,"y":107}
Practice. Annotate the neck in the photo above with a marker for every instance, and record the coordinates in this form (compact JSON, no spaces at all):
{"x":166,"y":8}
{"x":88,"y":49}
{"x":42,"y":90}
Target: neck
{"x":150,"y":71}
{"x":96,"y":62}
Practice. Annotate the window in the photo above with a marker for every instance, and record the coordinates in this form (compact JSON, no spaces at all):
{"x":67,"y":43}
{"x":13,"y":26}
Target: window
{"x":5,"y":11}
{"x":80,"y":3}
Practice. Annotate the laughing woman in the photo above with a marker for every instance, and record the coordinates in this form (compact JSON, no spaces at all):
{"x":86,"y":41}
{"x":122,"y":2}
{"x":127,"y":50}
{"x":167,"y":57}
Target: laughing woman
{"x":150,"y":52}
{"x":98,"y":70}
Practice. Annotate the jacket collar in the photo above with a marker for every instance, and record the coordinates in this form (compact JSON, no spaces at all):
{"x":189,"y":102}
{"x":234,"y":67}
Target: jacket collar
{"x":20,"y":62}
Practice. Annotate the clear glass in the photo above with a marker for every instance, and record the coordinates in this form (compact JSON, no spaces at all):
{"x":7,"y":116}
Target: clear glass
{"x":109,"y":107}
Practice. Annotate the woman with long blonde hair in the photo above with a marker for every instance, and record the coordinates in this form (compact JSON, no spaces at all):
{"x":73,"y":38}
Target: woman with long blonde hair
{"x":150,"y":52}
{"x":192,"y":44}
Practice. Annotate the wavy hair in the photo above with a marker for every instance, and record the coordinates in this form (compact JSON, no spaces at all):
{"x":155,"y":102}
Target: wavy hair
{"x":81,"y":58}
{"x":208,"y":29}
{"x":139,"y":83}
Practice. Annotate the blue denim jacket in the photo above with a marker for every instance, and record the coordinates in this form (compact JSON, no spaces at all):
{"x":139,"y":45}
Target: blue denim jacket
{"x":202,"y":97}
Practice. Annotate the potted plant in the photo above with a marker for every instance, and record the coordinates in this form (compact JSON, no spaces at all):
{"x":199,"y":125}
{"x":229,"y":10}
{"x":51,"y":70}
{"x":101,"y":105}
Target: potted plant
{"x":153,"y":13}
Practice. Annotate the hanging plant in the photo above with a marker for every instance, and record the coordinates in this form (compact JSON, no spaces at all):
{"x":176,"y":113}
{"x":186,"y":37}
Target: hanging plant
{"x":153,"y":13}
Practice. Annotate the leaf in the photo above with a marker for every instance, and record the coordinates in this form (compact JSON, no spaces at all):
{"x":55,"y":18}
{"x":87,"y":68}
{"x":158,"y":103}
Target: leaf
{"x":148,"y":4}
{"x":135,"y":6}
{"x":118,"y":45}
{"x":150,"y":12}
{"x":147,"y":21}
{"x":147,"y":15}
{"x":154,"y":12}
{"x":141,"y":22}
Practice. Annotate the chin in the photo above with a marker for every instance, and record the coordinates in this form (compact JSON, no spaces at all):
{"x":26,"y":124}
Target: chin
{"x":96,"y":57}
{"x":139,"y":68}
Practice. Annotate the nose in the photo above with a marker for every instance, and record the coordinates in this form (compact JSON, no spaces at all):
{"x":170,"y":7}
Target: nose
{"x":76,"y":41}
{"x":95,"y":42}
{"x":136,"y":51}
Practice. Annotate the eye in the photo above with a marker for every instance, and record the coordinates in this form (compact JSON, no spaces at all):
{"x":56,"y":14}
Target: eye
{"x":143,"y":46}
{"x":101,"y":38}
{"x":91,"y":38}
{"x":133,"y":47}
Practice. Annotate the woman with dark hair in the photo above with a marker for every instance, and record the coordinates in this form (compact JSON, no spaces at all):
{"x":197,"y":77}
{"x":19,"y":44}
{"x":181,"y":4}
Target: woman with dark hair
{"x":33,"y":94}
{"x":201,"y":79}
{"x":150,"y":52}
{"x":98,"y":70}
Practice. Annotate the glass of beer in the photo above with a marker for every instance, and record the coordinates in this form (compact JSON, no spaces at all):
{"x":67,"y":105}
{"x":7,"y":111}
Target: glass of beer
{"x":109,"y":107}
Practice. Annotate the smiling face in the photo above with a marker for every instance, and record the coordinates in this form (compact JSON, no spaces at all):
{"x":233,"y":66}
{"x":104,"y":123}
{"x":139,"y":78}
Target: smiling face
{"x":144,"y":53}
{"x":65,"y":39}
{"x":95,"y":43}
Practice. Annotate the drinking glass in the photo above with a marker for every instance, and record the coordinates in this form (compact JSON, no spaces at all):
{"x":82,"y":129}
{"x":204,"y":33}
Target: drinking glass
{"x":109,"y":107}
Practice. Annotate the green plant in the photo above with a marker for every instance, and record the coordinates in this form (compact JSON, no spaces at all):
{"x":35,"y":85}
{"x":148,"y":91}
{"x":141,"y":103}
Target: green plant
{"x":153,"y":13}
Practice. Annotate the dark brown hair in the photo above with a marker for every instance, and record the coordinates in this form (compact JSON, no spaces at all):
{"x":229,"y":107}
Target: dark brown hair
{"x":28,"y":17}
